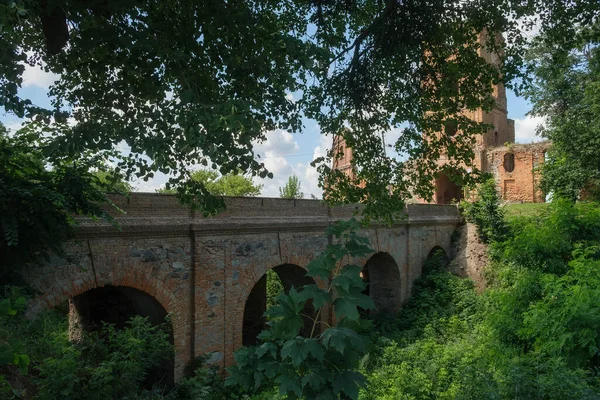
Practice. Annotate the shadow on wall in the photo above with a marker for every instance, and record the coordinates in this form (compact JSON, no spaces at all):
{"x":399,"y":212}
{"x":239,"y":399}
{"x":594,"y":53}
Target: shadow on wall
{"x":446,"y":191}
{"x":116,"y":305}
{"x":382,"y":275}
{"x":254,"y":321}
{"x":437,"y":258}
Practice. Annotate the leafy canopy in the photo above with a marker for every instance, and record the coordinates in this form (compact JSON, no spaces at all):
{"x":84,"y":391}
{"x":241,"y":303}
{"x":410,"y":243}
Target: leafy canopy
{"x":233,"y":184}
{"x":39,"y":198}
{"x":567,"y":94}
{"x":291,"y":190}
{"x":186,"y":82}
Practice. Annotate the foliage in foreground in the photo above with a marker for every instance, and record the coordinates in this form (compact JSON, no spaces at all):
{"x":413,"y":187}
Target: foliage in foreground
{"x":532,"y":334}
{"x":566,"y":92}
{"x":106,"y":364}
{"x":321,"y":365}
{"x":38,"y":199}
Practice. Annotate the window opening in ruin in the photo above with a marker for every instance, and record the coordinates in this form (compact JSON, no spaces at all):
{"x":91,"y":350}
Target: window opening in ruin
{"x":446,"y":191}
{"x":116,"y":305}
{"x":450,"y":127}
{"x":254,"y":322}
{"x":382,"y":276}
{"x":495,"y":138}
{"x":509,"y":162}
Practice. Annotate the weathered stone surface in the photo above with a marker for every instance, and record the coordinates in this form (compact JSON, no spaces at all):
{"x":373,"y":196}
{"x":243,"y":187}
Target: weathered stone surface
{"x":202,"y":270}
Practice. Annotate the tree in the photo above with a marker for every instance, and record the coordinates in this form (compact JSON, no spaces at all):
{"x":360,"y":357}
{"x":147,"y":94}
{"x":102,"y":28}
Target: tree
{"x":234,"y":184}
{"x":291,"y":190}
{"x":112,"y":182}
{"x":181,"y":82}
{"x":38,"y":199}
{"x":567,"y":94}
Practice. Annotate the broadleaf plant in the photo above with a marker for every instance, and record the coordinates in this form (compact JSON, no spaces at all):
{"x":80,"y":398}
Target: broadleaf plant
{"x":322,"y":364}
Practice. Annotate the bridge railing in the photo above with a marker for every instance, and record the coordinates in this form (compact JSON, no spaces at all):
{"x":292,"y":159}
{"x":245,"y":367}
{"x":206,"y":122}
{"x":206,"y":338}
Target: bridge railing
{"x":154,"y":212}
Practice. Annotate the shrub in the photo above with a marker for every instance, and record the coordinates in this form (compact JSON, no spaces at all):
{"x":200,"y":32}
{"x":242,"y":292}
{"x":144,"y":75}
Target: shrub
{"x":486,"y":214}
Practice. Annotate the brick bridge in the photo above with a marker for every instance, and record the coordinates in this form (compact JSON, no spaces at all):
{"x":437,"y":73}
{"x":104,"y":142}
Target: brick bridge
{"x":209,"y":274}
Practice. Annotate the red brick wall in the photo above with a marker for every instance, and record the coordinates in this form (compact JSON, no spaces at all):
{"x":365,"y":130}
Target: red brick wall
{"x":522,"y":183}
{"x":202,"y":270}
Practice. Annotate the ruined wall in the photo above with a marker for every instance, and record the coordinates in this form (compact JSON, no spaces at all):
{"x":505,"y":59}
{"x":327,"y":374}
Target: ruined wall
{"x":202,"y":270}
{"x":515,"y":171}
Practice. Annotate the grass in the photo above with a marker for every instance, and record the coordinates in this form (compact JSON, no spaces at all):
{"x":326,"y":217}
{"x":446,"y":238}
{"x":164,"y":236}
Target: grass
{"x":524,"y":209}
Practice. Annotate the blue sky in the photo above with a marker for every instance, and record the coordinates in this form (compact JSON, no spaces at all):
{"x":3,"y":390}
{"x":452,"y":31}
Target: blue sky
{"x":283,"y":153}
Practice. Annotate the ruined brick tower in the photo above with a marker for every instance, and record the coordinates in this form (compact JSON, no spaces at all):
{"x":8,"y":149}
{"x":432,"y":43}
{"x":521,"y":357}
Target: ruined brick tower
{"x":343,"y":160}
{"x":513,"y":166}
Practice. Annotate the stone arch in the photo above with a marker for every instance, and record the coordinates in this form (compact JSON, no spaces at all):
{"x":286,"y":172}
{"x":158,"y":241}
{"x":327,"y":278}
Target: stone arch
{"x":255,"y":304}
{"x":91,"y":265}
{"x":382,"y":275}
{"x":438,"y":249}
{"x":116,"y":305}
{"x":446,"y":190}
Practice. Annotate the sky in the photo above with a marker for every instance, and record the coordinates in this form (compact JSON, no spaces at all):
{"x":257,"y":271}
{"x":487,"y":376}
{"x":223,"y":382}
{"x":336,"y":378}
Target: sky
{"x":284,"y":153}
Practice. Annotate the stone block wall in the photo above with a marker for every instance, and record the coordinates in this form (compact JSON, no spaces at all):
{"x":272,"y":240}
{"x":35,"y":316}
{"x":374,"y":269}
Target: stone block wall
{"x":202,"y":270}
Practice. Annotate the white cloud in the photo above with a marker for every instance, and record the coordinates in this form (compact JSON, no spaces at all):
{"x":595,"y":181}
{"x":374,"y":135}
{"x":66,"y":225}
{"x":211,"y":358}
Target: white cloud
{"x":525,"y":129}
{"x":275,"y":153}
{"x":152,"y":184}
{"x":279,"y":143}
{"x":13,"y":126}
{"x":36,"y":76}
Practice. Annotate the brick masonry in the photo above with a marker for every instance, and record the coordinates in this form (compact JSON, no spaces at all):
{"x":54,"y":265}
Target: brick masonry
{"x":201,"y":270}
{"x":516,"y":170}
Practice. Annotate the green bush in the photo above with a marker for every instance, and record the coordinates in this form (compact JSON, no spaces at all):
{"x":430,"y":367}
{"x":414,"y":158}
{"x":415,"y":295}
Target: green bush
{"x":532,"y":334}
{"x":486,"y":214}
{"x":110,"y":363}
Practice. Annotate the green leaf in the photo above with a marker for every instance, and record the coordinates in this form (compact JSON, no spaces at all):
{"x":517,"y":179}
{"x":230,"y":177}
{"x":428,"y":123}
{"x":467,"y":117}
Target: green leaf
{"x":338,"y":338}
{"x":344,"y":308}
{"x":349,"y":382}
{"x":321,"y":267}
{"x":296,"y":350}
{"x":265,"y":348}
{"x":23,"y":363}
{"x":318,"y":296}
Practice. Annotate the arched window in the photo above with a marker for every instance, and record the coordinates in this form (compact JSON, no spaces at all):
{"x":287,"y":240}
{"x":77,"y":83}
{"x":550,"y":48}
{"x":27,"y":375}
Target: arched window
{"x":496,"y":138}
{"x":450,"y":128}
{"x":509,"y":162}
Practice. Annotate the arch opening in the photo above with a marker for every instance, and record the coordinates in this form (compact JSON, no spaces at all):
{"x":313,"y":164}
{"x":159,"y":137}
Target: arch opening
{"x":382,"y":276}
{"x":116,"y":305}
{"x":446,"y":191}
{"x":254,"y":323}
{"x":436,"y":259}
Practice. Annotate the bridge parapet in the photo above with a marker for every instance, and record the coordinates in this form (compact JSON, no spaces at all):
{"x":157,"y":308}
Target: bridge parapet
{"x":152,"y":213}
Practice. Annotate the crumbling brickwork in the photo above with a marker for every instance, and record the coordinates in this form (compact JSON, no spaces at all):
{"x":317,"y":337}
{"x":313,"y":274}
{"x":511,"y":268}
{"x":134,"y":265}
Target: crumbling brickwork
{"x":515,"y":169}
{"x":518,"y":185}
{"x":202,"y":271}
